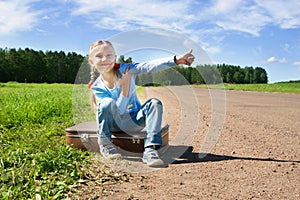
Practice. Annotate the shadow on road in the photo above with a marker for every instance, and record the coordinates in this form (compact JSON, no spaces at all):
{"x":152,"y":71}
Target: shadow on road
{"x":191,"y":157}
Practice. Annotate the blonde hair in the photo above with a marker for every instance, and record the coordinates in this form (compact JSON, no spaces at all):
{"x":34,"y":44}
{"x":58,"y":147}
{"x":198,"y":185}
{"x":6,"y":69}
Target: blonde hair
{"x":93,"y":71}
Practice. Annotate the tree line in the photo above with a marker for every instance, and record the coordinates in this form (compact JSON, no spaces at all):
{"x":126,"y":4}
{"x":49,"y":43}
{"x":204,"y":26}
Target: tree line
{"x":37,"y":66}
{"x":205,"y":74}
{"x":28,"y":65}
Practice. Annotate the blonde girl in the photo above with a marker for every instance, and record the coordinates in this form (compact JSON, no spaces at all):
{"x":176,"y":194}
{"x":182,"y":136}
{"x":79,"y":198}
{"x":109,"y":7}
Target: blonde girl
{"x":118,"y":107}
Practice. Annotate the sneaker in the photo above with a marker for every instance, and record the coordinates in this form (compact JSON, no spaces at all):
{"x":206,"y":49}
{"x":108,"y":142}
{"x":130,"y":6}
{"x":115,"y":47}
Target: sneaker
{"x":109,"y":151}
{"x":151,"y":158}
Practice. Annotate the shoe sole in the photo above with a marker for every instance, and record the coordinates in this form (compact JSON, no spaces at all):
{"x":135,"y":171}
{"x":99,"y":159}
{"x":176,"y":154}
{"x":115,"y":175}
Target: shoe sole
{"x":154,"y":163}
{"x":116,"y":156}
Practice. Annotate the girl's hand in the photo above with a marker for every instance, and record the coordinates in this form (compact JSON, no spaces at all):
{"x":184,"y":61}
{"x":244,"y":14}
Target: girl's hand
{"x":186,"y":59}
{"x":125,"y":82}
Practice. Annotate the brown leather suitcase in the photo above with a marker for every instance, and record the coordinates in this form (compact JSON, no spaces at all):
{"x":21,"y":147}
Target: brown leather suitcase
{"x":84,"y":136}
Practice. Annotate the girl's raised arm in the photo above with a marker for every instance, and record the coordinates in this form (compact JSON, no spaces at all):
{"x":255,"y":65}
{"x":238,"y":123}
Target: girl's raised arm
{"x":159,"y":64}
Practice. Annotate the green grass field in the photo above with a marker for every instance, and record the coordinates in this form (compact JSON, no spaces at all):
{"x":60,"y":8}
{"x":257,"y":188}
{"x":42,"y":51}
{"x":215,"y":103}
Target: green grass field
{"x":274,"y":87}
{"x":35,"y":160}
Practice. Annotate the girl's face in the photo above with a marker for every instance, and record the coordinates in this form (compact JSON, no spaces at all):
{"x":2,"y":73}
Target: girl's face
{"x":103,"y":57}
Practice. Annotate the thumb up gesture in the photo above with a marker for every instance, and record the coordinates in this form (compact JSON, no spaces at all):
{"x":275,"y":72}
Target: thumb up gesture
{"x":185,"y":59}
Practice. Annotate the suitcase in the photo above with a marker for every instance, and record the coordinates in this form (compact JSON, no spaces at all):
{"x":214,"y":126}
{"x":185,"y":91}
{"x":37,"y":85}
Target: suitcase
{"x":84,"y":136}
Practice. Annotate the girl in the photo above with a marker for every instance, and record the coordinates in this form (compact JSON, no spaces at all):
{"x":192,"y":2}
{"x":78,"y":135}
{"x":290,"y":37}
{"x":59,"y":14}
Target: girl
{"x":118,"y":105}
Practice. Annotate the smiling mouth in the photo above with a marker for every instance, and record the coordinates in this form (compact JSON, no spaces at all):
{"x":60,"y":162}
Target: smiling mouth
{"x":104,"y":65}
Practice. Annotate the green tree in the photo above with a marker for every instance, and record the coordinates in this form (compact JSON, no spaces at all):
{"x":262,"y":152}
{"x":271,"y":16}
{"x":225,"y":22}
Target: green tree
{"x":196,"y":77}
{"x":5,"y":74}
{"x":122,"y":59}
{"x":259,"y":75}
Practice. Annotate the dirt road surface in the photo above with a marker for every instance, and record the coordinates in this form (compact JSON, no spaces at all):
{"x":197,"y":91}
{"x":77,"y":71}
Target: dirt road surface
{"x":256,"y":154}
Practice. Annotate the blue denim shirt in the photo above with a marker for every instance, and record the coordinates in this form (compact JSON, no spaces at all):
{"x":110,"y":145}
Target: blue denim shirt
{"x":130,"y":103}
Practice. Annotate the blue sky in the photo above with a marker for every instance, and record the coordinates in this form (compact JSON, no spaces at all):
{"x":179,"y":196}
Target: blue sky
{"x":239,"y":32}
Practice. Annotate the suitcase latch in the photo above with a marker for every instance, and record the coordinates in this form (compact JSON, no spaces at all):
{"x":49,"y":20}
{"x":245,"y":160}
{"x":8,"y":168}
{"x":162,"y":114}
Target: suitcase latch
{"x":84,"y":137}
{"x":135,"y":139}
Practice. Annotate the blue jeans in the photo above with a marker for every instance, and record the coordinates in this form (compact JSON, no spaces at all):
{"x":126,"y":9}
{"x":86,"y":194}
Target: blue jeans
{"x":149,"y":117}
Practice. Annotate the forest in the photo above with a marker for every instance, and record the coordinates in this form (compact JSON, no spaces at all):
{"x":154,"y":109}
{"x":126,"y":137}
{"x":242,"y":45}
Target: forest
{"x":31,"y":66}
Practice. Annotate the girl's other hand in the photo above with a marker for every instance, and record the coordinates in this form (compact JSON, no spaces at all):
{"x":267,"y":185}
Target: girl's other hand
{"x":125,"y":81}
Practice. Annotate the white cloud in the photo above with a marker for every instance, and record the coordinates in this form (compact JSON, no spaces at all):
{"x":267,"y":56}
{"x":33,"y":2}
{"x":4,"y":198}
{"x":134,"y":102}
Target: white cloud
{"x":282,"y":60}
{"x":225,"y":7}
{"x":171,"y":15}
{"x":287,"y":47}
{"x":286,"y":14}
{"x":252,"y":16}
{"x":296,"y":63}
{"x":211,"y":49}
{"x":133,"y":14}
{"x":16,"y":16}
{"x":236,"y":15}
{"x":271,"y":59}
{"x":183,"y":16}
{"x":45,"y":17}
{"x":274,"y":59}
{"x":206,"y":23}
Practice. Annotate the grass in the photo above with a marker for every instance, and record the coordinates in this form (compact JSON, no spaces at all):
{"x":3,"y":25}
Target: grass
{"x":284,"y":87}
{"x":35,"y":161}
